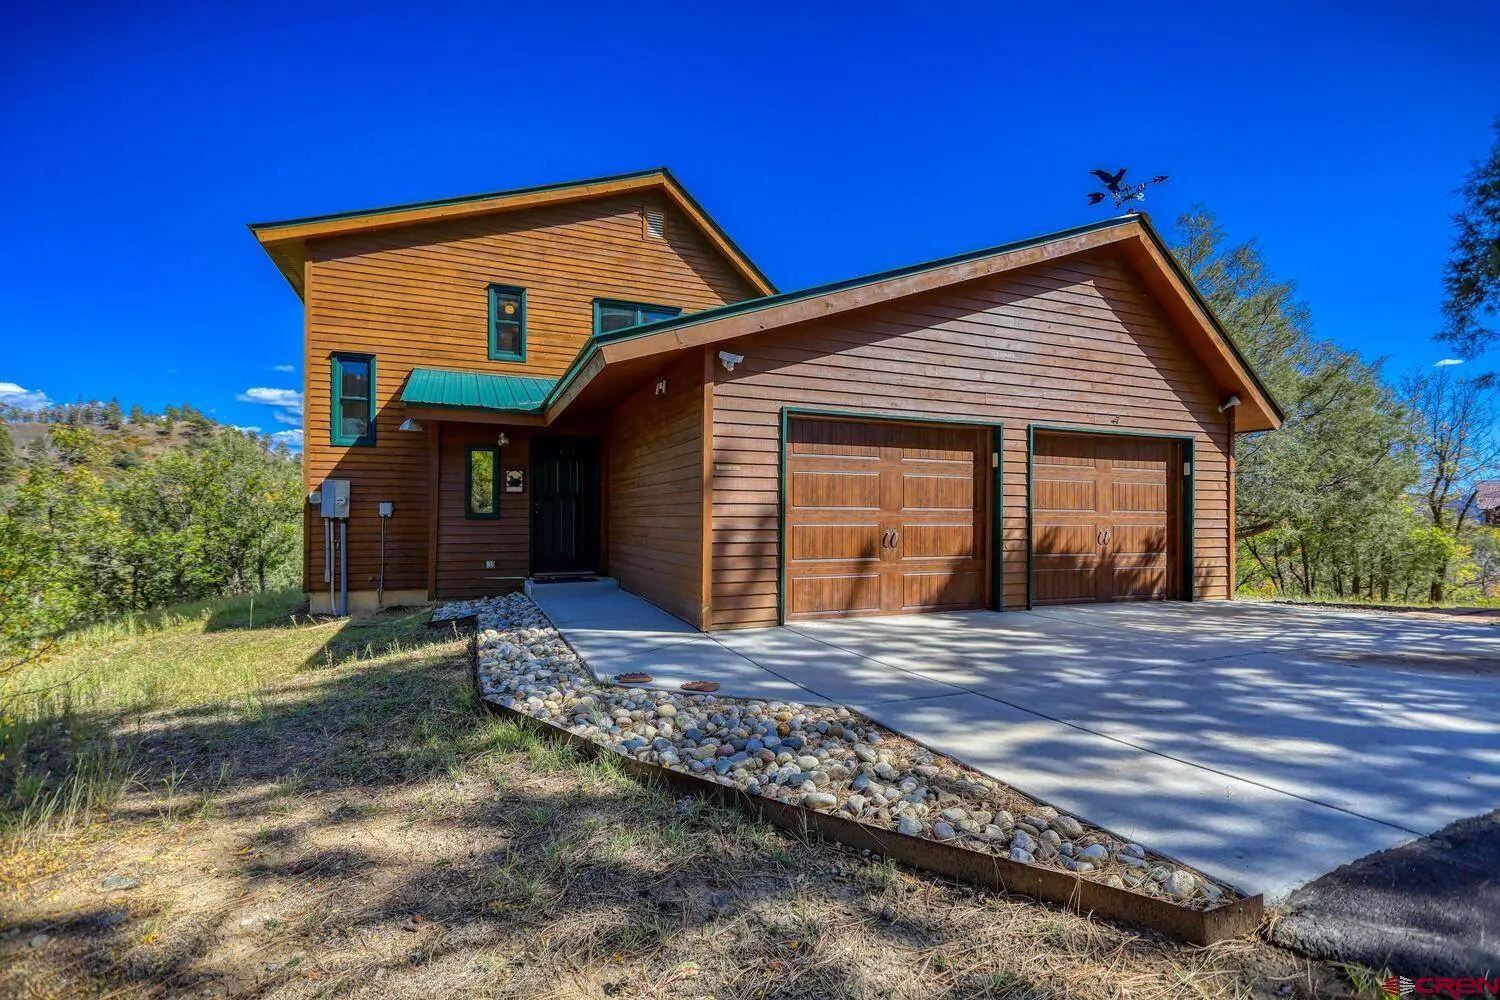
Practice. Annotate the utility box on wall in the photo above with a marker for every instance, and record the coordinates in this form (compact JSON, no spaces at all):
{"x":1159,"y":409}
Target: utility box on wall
{"x":335,"y":498}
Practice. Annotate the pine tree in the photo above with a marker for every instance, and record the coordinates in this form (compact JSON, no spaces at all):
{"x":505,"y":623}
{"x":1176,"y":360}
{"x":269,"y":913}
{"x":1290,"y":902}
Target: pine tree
{"x":1471,"y":279}
{"x":10,"y":464}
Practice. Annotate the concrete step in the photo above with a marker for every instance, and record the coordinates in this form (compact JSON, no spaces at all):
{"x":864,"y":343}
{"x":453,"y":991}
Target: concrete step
{"x":564,"y":587}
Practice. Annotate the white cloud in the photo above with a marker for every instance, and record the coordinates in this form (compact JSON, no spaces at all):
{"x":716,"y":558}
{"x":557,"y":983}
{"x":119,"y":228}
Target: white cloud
{"x":292,"y":439}
{"x":283,"y":368}
{"x":289,"y":400}
{"x":27,"y":399}
{"x":283,"y":417}
{"x":246,"y":430}
{"x":1447,"y":361}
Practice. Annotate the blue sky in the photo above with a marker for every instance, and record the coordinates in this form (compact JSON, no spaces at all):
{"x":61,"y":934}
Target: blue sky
{"x":829,"y":139}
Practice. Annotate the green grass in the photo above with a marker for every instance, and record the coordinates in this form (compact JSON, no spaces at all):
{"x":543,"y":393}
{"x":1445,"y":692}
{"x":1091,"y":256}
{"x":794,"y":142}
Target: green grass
{"x":66,"y":725}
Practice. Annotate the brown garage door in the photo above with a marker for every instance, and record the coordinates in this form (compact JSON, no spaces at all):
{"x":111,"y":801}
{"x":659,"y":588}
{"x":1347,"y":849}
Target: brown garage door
{"x":1104,"y":519}
{"x":884,"y":518}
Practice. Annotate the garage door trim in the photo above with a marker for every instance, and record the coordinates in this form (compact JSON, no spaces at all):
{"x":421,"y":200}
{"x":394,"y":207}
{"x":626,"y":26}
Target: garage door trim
{"x":1189,"y":513}
{"x":997,"y":488}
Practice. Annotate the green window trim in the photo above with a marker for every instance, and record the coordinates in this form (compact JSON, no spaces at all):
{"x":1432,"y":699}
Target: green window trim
{"x":498,"y":295}
{"x":640,"y":309}
{"x":494,"y":491}
{"x":337,"y":435}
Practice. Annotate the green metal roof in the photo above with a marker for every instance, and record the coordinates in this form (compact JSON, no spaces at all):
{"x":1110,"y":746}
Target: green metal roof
{"x":476,"y":391}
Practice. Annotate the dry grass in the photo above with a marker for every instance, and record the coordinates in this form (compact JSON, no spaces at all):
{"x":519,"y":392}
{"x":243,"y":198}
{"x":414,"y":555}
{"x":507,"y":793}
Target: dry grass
{"x":360,"y":830}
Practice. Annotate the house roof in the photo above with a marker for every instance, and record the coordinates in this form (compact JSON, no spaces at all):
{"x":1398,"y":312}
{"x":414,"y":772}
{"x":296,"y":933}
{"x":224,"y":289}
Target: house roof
{"x":434,"y":387}
{"x":1487,"y":494}
{"x":1133,"y":234}
{"x":286,"y":241}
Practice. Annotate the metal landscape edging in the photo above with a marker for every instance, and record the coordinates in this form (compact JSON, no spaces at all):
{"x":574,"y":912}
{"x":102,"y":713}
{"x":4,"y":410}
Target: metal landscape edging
{"x":988,"y":871}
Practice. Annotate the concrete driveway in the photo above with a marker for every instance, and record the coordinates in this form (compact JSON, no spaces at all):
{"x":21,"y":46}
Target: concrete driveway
{"x":1265,"y":745}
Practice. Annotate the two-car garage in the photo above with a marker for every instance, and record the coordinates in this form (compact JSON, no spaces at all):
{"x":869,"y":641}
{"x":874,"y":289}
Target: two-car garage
{"x":886,"y":517}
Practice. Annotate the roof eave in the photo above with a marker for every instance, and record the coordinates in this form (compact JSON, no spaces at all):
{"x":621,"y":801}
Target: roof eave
{"x":286,"y":241}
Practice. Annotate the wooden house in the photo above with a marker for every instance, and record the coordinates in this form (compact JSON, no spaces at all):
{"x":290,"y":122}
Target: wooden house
{"x":592,"y":379}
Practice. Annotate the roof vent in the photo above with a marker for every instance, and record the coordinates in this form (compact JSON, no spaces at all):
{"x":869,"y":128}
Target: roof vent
{"x":656,"y":224}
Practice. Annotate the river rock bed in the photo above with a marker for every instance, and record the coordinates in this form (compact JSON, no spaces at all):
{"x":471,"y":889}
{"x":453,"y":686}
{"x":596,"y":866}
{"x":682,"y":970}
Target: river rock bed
{"x":823,"y":757}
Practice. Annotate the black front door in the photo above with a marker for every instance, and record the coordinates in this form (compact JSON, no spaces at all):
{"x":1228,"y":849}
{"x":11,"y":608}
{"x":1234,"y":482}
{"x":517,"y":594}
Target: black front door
{"x":565,"y":505}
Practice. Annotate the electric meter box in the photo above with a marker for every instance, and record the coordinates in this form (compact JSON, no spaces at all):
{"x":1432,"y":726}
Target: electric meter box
{"x":335,"y":498}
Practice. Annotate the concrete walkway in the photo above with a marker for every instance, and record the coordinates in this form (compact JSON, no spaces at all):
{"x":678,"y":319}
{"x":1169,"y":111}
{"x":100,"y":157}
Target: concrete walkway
{"x":1265,"y":745}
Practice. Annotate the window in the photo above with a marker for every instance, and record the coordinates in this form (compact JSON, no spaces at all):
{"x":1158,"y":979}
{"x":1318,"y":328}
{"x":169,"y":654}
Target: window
{"x":353,"y":420}
{"x":507,"y":323}
{"x":483,"y":491}
{"x":612,"y":315}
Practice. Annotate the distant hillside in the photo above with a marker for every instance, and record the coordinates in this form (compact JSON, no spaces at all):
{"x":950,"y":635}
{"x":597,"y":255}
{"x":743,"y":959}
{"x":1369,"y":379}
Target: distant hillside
{"x":149,"y":439}
{"x":127,"y":440}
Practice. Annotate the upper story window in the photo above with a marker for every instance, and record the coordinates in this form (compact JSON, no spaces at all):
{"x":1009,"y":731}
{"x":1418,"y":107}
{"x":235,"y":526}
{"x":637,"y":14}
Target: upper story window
{"x":612,"y":314}
{"x":507,"y":323}
{"x":353,"y":410}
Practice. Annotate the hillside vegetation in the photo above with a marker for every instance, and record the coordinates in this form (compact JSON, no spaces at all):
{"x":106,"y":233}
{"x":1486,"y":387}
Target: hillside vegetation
{"x":103,"y":516}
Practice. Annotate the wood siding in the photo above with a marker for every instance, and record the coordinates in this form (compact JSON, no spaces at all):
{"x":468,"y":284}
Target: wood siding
{"x":465,"y":544}
{"x":654,"y":450}
{"x":416,"y":296}
{"x":1079,"y":342}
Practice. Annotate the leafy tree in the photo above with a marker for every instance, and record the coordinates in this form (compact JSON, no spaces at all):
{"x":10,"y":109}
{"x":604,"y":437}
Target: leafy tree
{"x":1471,"y":280}
{"x":1455,"y":445}
{"x":1341,"y":450}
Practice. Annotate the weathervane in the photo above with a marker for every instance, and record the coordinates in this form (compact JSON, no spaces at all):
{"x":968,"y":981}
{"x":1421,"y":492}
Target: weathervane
{"x":1116,"y":188}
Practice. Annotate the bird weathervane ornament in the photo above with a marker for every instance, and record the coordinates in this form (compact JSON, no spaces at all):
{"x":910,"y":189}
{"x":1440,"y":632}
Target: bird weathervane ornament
{"x":1118,"y":191}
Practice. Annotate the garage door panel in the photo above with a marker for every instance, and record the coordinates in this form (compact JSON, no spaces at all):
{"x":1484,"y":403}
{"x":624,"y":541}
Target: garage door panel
{"x":844,"y":541}
{"x":840,"y":594}
{"x":837,"y":490}
{"x":1139,"y":584}
{"x":940,"y":591}
{"x":832,"y":440}
{"x":1139,"y":539}
{"x":1064,"y":585}
{"x":938,"y":541}
{"x":1149,"y":498}
{"x":1138,"y":455}
{"x":1065,"y":494}
{"x":1067,"y":451}
{"x":1065,"y":540}
{"x":937,"y":492}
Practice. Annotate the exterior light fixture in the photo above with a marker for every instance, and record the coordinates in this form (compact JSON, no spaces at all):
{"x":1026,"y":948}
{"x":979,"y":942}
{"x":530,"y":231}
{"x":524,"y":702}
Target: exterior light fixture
{"x":410,"y":424}
{"x":1229,"y":404}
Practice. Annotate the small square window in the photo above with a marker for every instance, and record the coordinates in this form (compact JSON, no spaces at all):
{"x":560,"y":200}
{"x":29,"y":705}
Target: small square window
{"x":507,"y":323}
{"x":353,"y":410}
{"x":482,"y":495}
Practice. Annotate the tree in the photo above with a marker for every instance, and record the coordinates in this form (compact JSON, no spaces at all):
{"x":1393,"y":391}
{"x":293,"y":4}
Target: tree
{"x":1341,"y":451}
{"x":10,"y":465}
{"x":1455,"y":445}
{"x":112,"y":416}
{"x":1471,"y":279}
